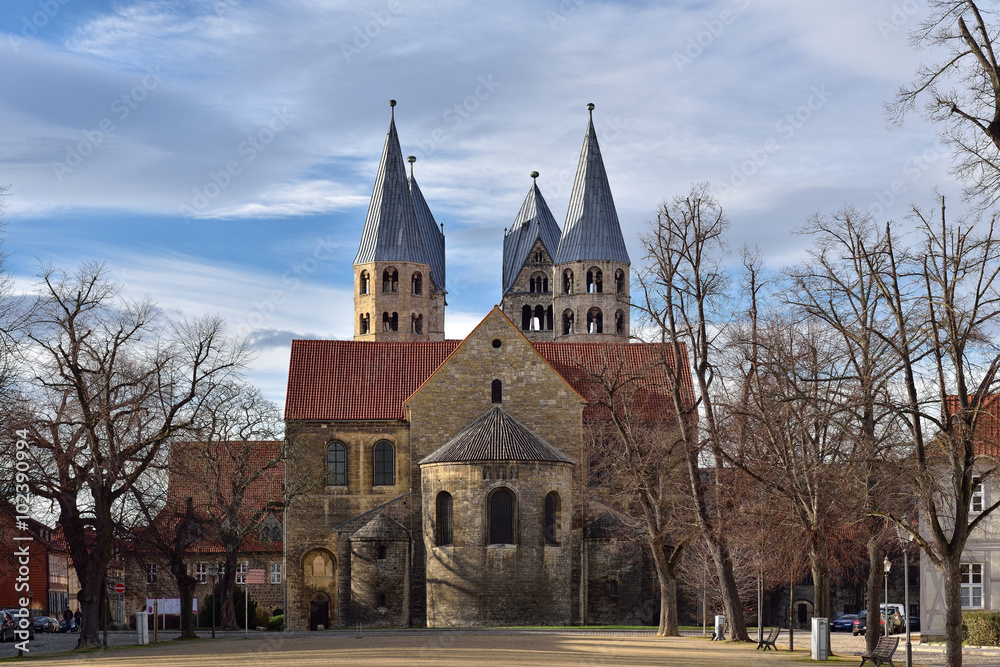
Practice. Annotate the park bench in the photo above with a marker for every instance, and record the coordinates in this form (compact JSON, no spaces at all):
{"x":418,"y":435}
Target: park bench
{"x":725,"y":631}
{"x":882,"y":653}
{"x":768,"y":642}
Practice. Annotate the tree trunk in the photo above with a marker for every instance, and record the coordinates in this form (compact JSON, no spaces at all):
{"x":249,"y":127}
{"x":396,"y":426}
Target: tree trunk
{"x":728,"y":588}
{"x":668,"y":592}
{"x":875,"y":555}
{"x":951,"y":570}
{"x":228,"y":620}
{"x":89,"y":598}
{"x":185,"y":590}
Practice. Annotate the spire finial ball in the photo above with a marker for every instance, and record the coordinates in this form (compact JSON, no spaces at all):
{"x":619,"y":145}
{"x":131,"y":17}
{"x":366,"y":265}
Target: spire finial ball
{"x":392,"y":103}
{"x":411,"y":158}
{"x":590,"y":106}
{"x":533,"y":174}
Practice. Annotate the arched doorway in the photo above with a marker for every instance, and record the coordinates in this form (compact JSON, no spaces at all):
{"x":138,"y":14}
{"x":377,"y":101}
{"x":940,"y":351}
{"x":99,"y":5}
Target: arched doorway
{"x":319,"y":611}
{"x":803,"y":613}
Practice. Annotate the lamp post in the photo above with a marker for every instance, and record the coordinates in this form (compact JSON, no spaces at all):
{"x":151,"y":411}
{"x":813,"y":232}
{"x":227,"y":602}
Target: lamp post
{"x":905,"y":537}
{"x":885,"y":566}
{"x":213,"y":570}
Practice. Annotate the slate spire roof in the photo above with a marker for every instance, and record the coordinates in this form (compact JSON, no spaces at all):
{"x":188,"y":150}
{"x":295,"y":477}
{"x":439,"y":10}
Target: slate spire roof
{"x":430,"y":233}
{"x":533,"y":222}
{"x":592,"y":231}
{"x":391,"y":232}
{"x":496,"y":436}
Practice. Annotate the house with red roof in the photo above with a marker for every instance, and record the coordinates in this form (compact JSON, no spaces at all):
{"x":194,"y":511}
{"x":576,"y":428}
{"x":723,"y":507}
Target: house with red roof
{"x":446,"y":481}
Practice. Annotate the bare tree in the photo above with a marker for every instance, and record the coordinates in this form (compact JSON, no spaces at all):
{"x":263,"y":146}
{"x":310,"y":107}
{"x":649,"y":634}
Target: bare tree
{"x":685,"y":299}
{"x":639,"y":459}
{"x":962,"y":91}
{"x":110,"y":385}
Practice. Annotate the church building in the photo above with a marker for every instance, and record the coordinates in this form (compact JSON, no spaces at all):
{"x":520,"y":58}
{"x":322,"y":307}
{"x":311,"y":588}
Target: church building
{"x":449,"y":480}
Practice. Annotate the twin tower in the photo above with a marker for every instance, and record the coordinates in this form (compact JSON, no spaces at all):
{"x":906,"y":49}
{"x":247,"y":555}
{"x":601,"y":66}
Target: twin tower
{"x":569,"y":286}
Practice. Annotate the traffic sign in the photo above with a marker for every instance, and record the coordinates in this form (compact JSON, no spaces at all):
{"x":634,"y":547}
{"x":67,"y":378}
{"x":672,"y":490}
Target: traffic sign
{"x":119,"y":588}
{"x":255,"y":576}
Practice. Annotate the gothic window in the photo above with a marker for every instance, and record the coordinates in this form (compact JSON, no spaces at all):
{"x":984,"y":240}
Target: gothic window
{"x":567,"y":322}
{"x":620,"y":322}
{"x":619,"y":281}
{"x":567,"y":282}
{"x":525,"y":318}
{"x":390,"y":280}
{"x":385,"y":464}
{"x":595,"y":281}
{"x":501,"y":515}
{"x":553,"y":507}
{"x":364,"y":283}
{"x":417,"y":324}
{"x":538,"y":321}
{"x":496,"y":392}
{"x":595,"y":321}
{"x":270,"y":530}
{"x":444,"y":528}
{"x":364,"y":324}
{"x":336,"y":464}
{"x":417,"y":283}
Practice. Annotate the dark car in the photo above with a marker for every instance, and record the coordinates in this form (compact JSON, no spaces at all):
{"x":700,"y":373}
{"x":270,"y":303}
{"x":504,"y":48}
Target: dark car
{"x":67,"y":625}
{"x":844,"y":622}
{"x":9,"y":623}
{"x":861,"y":623}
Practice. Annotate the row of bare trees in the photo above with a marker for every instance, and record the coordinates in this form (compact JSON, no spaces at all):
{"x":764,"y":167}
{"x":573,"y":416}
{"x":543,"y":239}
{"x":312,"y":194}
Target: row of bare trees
{"x":113,"y":396}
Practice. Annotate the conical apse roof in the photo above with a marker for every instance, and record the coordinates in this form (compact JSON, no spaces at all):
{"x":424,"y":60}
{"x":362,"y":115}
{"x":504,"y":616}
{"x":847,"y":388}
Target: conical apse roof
{"x":496,"y":436}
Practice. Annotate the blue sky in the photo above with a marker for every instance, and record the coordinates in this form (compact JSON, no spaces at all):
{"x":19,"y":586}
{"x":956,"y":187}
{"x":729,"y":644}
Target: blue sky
{"x":219,"y":155}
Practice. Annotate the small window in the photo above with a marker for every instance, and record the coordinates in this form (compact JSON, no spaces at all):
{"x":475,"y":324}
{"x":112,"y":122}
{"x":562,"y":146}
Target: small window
{"x":567,"y":282}
{"x":380,"y":551}
{"x":390,"y":280}
{"x":496,"y":392}
{"x":525,"y":318}
{"x":385,"y":464}
{"x":595,"y":321}
{"x":150,"y":575}
{"x":417,"y":324}
{"x":497,"y":343}
{"x":390,"y":322}
{"x":611,"y":588}
{"x":620,"y":322}
{"x":538,"y":320}
{"x":972,"y":585}
{"x":976,"y":505}
{"x":364,"y":324}
{"x":502,"y":517}
{"x":241,"y":573}
{"x":567,"y":322}
{"x":364,"y":283}
{"x":552,"y":509}
{"x":619,"y":281}
{"x":336,"y":464}
{"x":417,"y":283}
{"x":595,"y":279}
{"x":444,"y":528}
{"x":275,"y":573}
{"x":382,"y":601}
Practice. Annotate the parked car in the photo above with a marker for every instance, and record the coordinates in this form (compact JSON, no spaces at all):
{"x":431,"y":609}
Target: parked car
{"x":896,"y":614}
{"x":67,"y":626}
{"x":46,"y":624}
{"x":9,"y":623}
{"x":861,"y":624}
{"x":843,"y":622}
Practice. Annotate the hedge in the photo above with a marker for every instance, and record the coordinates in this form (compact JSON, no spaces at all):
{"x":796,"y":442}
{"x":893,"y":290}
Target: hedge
{"x":981,"y":628}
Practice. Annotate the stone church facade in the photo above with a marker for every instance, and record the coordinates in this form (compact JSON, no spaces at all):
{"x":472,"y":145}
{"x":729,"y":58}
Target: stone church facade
{"x":448,"y":479}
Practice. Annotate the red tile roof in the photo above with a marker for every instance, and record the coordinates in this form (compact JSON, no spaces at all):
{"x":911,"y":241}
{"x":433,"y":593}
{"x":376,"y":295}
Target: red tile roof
{"x":987,"y":437}
{"x":354,"y":380}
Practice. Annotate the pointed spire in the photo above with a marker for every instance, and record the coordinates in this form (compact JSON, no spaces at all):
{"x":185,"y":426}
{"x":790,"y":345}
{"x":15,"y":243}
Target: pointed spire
{"x":592,"y":230}
{"x":391,"y":233}
{"x":432,"y":237}
{"x":534,"y":221}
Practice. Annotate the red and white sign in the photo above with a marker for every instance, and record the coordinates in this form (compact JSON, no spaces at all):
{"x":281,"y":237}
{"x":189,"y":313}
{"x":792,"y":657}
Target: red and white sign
{"x":255,"y":576}
{"x":119,"y":588}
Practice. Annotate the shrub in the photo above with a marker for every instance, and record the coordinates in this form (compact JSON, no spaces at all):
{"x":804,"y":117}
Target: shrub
{"x":205,"y":609}
{"x":981,"y":628}
{"x":276,"y":623}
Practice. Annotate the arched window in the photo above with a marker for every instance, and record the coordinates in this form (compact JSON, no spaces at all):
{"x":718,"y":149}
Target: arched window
{"x":525,"y":318}
{"x":336,"y":464}
{"x":390,"y":322}
{"x":548,"y":318}
{"x":567,"y":322}
{"x":538,"y":321}
{"x":390,"y":280}
{"x":539,"y":283}
{"x":552,"y":510}
{"x":620,"y":322}
{"x":567,"y":282}
{"x":496,"y":392}
{"x":619,"y":281}
{"x":417,"y":323}
{"x":417,"y":283}
{"x":595,"y":321}
{"x":385,"y":464}
{"x":364,"y":282}
{"x":595,"y":280}
{"x":444,"y":527}
{"x":364,"y":324}
{"x":502,"y":517}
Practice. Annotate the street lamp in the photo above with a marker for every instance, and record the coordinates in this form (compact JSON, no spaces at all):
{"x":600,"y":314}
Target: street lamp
{"x":213,"y":570}
{"x":885,"y":566}
{"x":905,"y":537}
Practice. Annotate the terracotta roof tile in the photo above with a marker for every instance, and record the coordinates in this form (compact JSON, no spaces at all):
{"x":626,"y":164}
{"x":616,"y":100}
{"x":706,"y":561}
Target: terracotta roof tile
{"x":988,"y":427}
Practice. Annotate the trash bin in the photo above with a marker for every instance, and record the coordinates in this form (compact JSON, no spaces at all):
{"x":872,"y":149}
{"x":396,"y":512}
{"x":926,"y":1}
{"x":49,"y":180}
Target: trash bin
{"x":821,"y":639}
{"x":141,"y":628}
{"x":720,"y":627}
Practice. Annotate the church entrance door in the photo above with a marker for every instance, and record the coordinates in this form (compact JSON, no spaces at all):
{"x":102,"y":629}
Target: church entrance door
{"x":319,"y":611}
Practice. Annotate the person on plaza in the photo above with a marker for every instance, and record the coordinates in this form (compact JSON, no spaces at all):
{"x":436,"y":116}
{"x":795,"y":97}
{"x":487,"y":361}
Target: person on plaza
{"x":78,"y":616}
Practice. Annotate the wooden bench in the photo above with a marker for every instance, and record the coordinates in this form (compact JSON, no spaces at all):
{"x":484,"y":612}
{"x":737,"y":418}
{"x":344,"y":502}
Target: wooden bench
{"x":725,"y":631}
{"x":768,"y":642}
{"x":882,"y":653}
